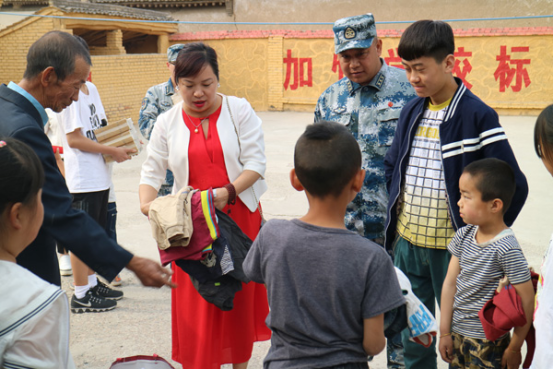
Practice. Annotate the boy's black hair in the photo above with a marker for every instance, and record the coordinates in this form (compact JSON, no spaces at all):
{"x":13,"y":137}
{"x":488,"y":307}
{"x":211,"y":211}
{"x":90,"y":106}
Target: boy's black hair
{"x":543,"y":134}
{"x":427,"y":38}
{"x":326,"y":158}
{"x":495,"y":179}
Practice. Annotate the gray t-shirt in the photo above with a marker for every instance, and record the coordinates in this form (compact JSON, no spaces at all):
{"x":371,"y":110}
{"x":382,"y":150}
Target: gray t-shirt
{"x":321,"y":284}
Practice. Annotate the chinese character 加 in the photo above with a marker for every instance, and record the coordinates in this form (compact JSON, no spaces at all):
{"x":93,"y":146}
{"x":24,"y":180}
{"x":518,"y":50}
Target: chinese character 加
{"x":297,"y":66}
{"x":466,"y":68}
{"x":505,"y":74}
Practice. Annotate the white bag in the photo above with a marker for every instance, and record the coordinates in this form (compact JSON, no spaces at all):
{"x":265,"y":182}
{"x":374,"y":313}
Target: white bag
{"x":420,"y":322}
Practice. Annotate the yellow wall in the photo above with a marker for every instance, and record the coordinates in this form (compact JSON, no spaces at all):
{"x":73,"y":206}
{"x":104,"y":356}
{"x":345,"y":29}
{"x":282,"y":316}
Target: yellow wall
{"x":516,"y":83}
{"x":15,"y":43}
{"x":290,"y":73}
{"x":123,"y":80}
{"x":285,"y":73}
{"x":243,"y":69}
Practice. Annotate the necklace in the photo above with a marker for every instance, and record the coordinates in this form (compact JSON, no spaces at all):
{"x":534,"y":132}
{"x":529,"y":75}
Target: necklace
{"x":192,"y":122}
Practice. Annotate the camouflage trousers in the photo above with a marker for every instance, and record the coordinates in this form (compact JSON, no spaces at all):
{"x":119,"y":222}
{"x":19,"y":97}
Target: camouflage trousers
{"x":474,"y":353}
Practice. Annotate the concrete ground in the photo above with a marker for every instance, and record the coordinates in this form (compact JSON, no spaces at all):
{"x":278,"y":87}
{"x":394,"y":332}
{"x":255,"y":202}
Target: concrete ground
{"x":141,"y":324}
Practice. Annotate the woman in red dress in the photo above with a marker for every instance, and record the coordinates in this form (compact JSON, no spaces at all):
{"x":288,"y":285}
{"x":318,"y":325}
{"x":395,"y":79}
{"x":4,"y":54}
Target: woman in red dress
{"x":211,"y":141}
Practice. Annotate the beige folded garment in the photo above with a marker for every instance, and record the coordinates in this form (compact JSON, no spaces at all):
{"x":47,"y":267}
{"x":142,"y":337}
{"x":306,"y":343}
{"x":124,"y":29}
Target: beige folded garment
{"x":171,"y":219}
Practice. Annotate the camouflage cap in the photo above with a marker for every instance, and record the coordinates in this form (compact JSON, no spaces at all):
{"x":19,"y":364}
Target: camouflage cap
{"x":173,"y":52}
{"x":356,"y":32}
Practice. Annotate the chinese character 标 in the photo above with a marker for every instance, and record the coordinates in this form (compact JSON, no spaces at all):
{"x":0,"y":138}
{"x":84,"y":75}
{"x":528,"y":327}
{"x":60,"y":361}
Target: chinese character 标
{"x":512,"y":69}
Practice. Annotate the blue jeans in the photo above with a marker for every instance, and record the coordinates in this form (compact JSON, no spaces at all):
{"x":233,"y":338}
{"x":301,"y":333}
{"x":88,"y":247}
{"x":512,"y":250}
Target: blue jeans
{"x":426,"y":269}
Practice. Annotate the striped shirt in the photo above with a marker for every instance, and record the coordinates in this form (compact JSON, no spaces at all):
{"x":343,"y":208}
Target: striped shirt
{"x":423,"y":218}
{"x":482,"y":266}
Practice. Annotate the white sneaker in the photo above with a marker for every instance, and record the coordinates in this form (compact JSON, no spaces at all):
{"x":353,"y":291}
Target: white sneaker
{"x":65,"y":265}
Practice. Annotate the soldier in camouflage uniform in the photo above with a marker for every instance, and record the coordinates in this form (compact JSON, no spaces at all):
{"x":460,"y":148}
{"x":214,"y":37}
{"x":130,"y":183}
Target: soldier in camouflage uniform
{"x":368,"y":101}
{"x":159,"y":99}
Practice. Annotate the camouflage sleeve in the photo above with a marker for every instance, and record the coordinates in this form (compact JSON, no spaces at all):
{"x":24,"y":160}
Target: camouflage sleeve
{"x":148,"y":114}
{"x":318,"y":116}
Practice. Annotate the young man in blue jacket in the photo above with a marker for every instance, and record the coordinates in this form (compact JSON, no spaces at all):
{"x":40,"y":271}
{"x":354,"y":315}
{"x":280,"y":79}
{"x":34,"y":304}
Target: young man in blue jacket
{"x":441,"y":131}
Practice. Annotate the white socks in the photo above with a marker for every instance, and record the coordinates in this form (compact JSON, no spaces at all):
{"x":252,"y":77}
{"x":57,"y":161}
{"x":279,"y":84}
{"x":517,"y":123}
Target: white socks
{"x":80,"y":291}
{"x":92,"y":280}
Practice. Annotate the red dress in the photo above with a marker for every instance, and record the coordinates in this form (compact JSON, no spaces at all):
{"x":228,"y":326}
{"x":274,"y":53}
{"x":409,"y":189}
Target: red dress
{"x":205,"y":337}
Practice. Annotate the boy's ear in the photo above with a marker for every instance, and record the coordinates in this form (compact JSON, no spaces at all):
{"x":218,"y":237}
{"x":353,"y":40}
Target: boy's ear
{"x":497,"y":206}
{"x":294,"y":181}
{"x":358,"y":180}
{"x":449,"y":63}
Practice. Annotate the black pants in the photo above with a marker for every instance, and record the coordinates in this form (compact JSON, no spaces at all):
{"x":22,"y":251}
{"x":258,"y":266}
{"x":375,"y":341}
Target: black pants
{"x":94,"y":204}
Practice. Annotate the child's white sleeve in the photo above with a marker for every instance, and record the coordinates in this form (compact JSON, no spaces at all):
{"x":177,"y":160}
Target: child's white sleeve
{"x":42,"y":342}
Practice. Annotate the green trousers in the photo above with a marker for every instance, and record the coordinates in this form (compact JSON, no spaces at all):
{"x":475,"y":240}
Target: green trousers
{"x":426,"y":270}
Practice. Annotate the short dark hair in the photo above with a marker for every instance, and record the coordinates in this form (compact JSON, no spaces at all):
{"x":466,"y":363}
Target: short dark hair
{"x":21,"y":173}
{"x":495,"y":179}
{"x":58,"y":50}
{"x":326,"y":158}
{"x":427,"y":38}
{"x":193,"y":58}
{"x":543,"y":134}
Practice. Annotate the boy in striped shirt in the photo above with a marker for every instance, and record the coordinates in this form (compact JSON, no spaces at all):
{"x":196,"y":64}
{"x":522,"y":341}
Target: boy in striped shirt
{"x":483,"y":252}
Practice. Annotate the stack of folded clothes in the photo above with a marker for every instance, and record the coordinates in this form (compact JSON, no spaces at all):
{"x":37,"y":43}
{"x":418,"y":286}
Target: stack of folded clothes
{"x":203,"y":241}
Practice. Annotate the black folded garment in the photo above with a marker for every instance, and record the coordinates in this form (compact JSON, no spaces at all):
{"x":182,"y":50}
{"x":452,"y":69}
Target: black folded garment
{"x":219,"y":292}
{"x":209,"y":281}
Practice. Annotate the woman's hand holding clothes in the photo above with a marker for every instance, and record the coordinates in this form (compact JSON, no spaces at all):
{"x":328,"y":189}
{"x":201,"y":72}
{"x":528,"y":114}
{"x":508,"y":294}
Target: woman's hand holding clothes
{"x":221,"y":198}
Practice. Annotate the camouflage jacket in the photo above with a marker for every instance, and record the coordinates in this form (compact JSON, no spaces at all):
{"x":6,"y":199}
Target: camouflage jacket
{"x":371,"y":113}
{"x":158,"y":99}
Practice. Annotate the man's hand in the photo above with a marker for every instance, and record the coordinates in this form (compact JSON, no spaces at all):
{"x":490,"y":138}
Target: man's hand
{"x":120,"y":154}
{"x":446,"y":348}
{"x":150,"y":273}
{"x":511,"y":359}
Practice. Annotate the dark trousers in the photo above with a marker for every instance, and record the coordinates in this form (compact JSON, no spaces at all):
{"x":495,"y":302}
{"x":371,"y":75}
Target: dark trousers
{"x":112,"y":221}
{"x":426,"y":269}
{"x":94,"y":204}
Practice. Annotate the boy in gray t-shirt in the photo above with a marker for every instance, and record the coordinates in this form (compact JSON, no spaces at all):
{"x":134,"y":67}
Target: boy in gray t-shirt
{"x":328,"y":288}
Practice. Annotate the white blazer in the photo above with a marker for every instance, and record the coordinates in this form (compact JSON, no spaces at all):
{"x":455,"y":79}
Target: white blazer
{"x":168,"y":148}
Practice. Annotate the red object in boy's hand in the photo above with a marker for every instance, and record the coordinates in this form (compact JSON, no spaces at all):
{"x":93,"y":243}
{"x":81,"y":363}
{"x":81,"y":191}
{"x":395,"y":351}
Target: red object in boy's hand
{"x":56,"y":148}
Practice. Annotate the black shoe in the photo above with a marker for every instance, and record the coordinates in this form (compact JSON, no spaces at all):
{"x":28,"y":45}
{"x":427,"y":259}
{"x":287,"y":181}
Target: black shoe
{"x":91,"y":303}
{"x":103,"y":290}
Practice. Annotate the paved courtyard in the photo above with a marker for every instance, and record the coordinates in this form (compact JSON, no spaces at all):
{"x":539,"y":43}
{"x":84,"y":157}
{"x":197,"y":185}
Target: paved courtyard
{"x":141,"y":323}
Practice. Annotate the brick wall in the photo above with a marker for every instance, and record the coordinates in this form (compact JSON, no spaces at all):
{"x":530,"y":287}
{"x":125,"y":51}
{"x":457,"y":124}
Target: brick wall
{"x":505,"y":67}
{"x":14,"y":44}
{"x":123,"y":80}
